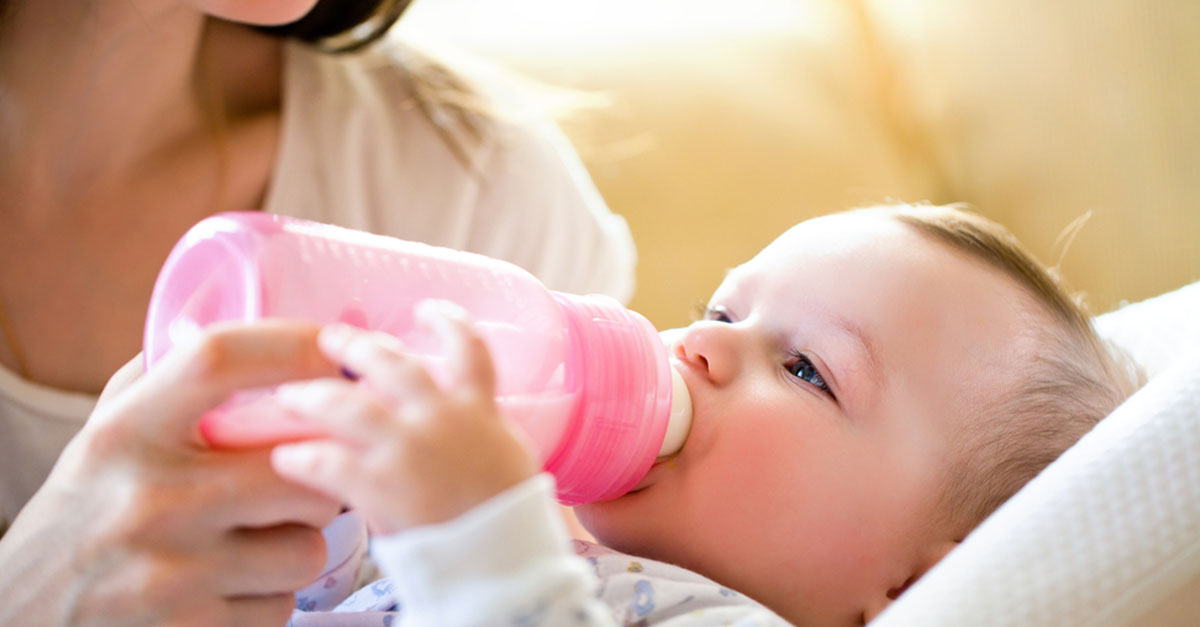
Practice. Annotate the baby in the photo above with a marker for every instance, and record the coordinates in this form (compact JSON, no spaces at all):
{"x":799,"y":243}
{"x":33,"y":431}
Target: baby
{"x":867,"y":389}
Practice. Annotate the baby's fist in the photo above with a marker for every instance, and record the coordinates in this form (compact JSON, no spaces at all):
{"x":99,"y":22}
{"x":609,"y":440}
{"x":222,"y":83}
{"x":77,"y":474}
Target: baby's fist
{"x":403,"y":450}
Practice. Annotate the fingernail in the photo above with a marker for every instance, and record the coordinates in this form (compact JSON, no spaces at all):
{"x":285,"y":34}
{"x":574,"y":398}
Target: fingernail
{"x":335,"y":336}
{"x":432,"y":310}
{"x":441,"y":307}
{"x":290,"y":393}
{"x":290,"y":456}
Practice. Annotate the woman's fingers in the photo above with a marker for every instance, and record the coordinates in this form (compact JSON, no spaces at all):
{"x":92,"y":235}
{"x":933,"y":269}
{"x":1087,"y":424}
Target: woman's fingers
{"x":251,"y":562}
{"x":271,"y":609}
{"x":166,"y":404}
{"x":241,"y":489}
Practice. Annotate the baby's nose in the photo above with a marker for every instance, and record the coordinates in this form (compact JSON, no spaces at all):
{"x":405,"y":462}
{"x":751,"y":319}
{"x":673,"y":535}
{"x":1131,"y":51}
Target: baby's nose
{"x":711,"y":347}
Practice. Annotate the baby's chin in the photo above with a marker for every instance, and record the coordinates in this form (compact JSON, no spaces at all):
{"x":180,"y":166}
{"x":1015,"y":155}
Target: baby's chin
{"x":627,"y":525}
{"x":611,"y":522}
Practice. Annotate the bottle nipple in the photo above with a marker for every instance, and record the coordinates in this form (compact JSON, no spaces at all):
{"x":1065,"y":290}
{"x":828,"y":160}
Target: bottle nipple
{"x":680,"y":421}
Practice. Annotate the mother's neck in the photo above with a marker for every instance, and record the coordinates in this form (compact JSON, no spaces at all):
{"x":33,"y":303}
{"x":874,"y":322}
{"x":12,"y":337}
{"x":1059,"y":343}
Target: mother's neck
{"x":90,"y":90}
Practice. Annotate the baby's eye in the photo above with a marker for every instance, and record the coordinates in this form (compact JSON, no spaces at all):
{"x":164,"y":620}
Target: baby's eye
{"x":802,"y":368}
{"x":717,"y":313}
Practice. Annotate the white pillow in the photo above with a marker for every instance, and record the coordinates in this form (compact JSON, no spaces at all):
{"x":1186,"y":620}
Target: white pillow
{"x":1158,"y":331}
{"x":1109,"y":534}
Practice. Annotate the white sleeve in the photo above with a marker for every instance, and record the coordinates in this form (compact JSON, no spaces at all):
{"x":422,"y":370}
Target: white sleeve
{"x":508,"y":561}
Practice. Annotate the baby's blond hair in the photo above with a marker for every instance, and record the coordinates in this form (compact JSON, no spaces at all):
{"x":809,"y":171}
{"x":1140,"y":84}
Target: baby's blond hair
{"x":1074,"y":379}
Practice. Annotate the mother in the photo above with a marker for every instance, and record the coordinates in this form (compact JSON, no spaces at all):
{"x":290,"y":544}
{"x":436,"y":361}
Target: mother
{"x":123,"y":122}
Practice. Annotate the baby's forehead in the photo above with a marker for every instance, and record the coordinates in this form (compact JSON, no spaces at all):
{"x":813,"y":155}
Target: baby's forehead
{"x":871,"y":265}
{"x":857,"y":227}
{"x":845,"y":244}
{"x":876,"y":241}
{"x":932,"y":313}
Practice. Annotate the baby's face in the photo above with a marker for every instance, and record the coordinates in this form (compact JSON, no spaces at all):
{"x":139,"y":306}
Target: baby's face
{"x":829,"y":377}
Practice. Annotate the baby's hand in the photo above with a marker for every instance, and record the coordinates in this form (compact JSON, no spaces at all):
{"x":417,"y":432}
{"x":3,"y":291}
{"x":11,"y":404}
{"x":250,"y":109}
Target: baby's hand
{"x":403,"y":451}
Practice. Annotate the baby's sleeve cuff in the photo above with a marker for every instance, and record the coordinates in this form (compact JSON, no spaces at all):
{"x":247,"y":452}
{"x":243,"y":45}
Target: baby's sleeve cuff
{"x":507,"y":560}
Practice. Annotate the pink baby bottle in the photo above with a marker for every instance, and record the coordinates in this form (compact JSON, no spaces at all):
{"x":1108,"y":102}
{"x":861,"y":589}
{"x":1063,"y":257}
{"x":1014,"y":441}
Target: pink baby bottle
{"x":586,"y":379}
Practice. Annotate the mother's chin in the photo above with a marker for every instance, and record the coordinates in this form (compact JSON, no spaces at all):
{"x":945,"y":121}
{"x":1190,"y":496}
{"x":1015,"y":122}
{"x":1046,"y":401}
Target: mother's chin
{"x":256,"y":12}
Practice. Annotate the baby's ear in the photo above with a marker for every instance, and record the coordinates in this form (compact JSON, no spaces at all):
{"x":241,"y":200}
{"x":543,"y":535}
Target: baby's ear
{"x":924,"y":561}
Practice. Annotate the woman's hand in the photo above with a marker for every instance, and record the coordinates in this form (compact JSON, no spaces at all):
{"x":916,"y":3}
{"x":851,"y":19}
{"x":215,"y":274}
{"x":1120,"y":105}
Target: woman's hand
{"x":402,"y":450}
{"x":140,"y":523}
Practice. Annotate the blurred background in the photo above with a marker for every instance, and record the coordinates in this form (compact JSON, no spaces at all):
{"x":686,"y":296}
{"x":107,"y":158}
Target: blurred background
{"x":727,"y":122}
